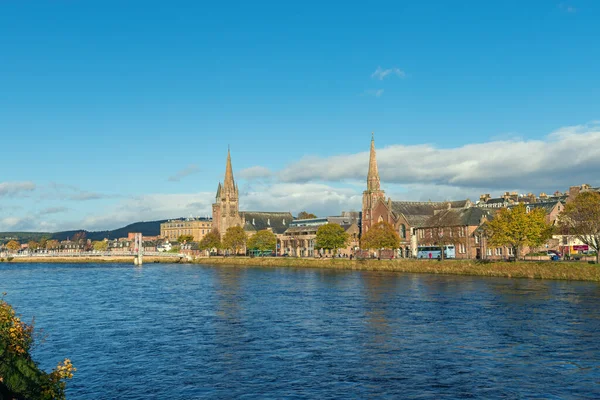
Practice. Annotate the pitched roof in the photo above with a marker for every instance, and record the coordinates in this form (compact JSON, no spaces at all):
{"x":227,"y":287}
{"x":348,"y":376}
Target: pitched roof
{"x":548,"y":206}
{"x":472,"y":216}
{"x":278,"y":222}
{"x":417,"y":213}
{"x":416,"y":208}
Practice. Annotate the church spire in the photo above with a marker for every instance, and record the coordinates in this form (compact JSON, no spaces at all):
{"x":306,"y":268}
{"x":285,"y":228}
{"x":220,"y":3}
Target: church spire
{"x":229,"y":183}
{"x":373,"y":183}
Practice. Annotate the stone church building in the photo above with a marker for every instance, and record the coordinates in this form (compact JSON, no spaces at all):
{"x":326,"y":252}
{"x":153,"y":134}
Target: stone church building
{"x":226,"y":213}
{"x":405,"y":216}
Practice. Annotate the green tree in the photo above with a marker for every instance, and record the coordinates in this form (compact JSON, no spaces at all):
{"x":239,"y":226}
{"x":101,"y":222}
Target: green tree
{"x":581,"y":218}
{"x":516,"y":228}
{"x":13,"y":245}
{"x":20,"y":377}
{"x":264,"y":240}
{"x":212,"y":240}
{"x":382,"y":235}
{"x":306,"y":215}
{"x":101,"y":245}
{"x":235,"y":238}
{"x":331,"y":237}
{"x":185,"y":238}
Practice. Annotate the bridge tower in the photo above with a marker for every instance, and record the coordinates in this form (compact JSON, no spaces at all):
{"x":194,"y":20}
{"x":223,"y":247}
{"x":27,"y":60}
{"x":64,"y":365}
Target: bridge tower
{"x":138,"y":248}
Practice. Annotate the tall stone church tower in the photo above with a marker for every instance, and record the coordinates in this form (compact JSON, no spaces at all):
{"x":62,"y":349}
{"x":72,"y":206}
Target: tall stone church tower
{"x":226,"y":212}
{"x":373,"y":194}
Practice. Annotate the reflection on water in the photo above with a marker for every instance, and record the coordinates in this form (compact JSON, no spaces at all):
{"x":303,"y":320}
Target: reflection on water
{"x":187,"y":332}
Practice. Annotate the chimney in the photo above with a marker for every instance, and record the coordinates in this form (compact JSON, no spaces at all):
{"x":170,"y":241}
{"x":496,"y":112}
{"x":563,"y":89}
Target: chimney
{"x":573,"y":192}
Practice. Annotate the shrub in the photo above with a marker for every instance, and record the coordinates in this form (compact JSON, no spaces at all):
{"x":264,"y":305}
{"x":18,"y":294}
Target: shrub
{"x":20,"y":376}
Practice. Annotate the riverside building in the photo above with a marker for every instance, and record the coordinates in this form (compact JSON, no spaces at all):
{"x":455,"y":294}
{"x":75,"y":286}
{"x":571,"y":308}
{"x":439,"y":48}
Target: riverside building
{"x":197,"y":227}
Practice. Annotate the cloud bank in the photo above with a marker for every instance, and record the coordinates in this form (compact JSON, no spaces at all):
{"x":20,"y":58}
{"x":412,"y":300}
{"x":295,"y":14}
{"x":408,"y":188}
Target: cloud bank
{"x":565,"y":157}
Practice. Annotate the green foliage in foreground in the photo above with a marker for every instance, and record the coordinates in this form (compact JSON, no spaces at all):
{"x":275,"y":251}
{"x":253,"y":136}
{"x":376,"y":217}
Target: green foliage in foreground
{"x":20,"y":376}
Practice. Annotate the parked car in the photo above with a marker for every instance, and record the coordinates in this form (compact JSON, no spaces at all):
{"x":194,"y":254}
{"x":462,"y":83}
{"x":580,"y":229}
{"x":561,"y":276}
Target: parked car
{"x":551,"y":252}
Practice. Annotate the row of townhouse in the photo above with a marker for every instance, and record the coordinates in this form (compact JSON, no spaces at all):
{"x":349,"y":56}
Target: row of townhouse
{"x":465,"y":230}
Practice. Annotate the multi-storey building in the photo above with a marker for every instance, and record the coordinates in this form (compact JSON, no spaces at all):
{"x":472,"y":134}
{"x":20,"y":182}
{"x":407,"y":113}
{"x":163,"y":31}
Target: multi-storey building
{"x":300,"y":238}
{"x":196,"y":227}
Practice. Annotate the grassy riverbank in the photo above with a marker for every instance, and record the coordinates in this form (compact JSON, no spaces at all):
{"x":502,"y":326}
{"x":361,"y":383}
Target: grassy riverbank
{"x":578,"y":271}
{"x":520,"y":269}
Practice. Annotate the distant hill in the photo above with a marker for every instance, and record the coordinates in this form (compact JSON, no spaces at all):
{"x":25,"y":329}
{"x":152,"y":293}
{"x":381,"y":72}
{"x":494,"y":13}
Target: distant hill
{"x":150,"y":228}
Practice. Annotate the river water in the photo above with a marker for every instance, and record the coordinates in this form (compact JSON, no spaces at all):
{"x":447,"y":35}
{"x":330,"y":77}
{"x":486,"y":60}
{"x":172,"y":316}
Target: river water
{"x":188,"y":332}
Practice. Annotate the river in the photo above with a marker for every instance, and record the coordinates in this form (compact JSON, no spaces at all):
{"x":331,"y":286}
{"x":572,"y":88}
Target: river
{"x":190,"y":332}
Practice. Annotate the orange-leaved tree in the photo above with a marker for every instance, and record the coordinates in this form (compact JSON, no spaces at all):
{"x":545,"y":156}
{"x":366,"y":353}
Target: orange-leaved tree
{"x":382,"y":235}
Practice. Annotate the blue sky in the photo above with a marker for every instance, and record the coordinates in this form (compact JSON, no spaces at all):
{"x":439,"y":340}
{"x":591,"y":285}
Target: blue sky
{"x":113,"y":112}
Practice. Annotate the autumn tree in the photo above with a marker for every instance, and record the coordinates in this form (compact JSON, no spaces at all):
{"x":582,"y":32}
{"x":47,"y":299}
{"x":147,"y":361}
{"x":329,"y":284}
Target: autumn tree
{"x":101,"y":245}
{"x":43,"y":242}
{"x":20,"y":376}
{"x":52,"y":244}
{"x":235,"y":238}
{"x":212,"y":240}
{"x":33,"y":245}
{"x":306,"y":215}
{"x":581,"y":218}
{"x":262,"y":241}
{"x":185,"y":238}
{"x":79,"y":237}
{"x":445,"y":229}
{"x":516,"y":228}
{"x":382,"y":235}
{"x":13,"y":245}
{"x":331,"y":237}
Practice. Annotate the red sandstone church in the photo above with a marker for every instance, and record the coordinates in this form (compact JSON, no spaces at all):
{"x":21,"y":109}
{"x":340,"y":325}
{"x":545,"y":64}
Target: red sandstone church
{"x":405,"y":216}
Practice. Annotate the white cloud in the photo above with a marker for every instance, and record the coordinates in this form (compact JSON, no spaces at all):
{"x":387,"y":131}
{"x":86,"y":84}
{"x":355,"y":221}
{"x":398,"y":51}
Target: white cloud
{"x":149,"y":207}
{"x":63,"y":191}
{"x":374,"y":92}
{"x":317,"y":198}
{"x":187,"y":171}
{"x":53,"y":210}
{"x":568,"y":156}
{"x":567,"y":8}
{"x":256,"y":172}
{"x":381,"y":73}
{"x":12,"y":189}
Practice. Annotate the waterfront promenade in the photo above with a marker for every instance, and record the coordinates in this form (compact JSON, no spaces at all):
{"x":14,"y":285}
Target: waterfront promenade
{"x":562,"y":270}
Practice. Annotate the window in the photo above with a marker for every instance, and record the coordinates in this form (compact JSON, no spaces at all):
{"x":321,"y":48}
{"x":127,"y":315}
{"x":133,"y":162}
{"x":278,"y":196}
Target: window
{"x":403,"y":231}
{"x":489,"y":252}
{"x":510,"y":251}
{"x":476,"y":239}
{"x":498,"y":251}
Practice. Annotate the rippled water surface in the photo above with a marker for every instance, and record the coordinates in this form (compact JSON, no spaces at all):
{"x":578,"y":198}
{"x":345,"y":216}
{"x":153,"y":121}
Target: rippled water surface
{"x":186,"y":332}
